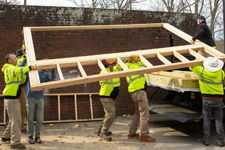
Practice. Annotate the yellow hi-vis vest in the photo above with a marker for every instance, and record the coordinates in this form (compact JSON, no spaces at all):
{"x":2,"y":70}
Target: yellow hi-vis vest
{"x":107,"y":86}
{"x":12,"y":76}
{"x":23,"y":77}
{"x":209,"y":82}
{"x":135,"y":82}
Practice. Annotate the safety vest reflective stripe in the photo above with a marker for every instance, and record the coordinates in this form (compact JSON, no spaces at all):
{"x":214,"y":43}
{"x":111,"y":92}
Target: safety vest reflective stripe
{"x":14,"y":72}
{"x":207,"y":82}
{"x":117,"y":68}
{"x":131,"y":80}
{"x":14,"y":82}
{"x":142,"y":65}
{"x":7,"y":70}
{"x":138,"y":77}
{"x":21,"y":70}
{"x":110,"y":83}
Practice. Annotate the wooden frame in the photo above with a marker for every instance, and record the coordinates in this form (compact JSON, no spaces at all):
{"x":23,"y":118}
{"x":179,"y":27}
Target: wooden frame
{"x":58,"y":95}
{"x":160,"y":53}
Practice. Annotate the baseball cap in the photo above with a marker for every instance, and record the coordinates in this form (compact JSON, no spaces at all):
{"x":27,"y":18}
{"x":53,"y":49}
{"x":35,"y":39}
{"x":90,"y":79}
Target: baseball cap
{"x":201,"y":18}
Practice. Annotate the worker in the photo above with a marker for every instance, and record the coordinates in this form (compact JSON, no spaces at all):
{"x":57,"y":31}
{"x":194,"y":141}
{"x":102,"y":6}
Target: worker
{"x":35,"y":105}
{"x":21,"y":55}
{"x":108,"y":93}
{"x":137,"y":87}
{"x":203,"y":34}
{"x":11,"y":93}
{"x":211,"y":86}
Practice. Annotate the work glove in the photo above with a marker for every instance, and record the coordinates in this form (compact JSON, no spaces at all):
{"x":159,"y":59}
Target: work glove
{"x":34,"y":67}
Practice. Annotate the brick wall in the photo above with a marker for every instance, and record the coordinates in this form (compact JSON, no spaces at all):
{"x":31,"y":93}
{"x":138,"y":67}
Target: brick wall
{"x":60,"y":44}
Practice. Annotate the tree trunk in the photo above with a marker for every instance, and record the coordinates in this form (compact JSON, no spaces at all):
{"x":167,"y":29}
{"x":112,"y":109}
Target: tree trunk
{"x":196,"y":6}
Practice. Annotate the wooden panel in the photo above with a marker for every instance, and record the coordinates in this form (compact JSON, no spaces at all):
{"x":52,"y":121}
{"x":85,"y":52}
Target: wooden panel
{"x":178,"y":32}
{"x":122,"y":64}
{"x":161,"y":53}
{"x":102,"y":67}
{"x":59,"y":108}
{"x":145,"y":61}
{"x":98,"y":77}
{"x":75,"y":107}
{"x":163,"y":59}
{"x":60,"y":72}
{"x":91,"y":59}
{"x":197,"y":55}
{"x":83,"y":73}
{"x":91,"y":107}
{"x":95,"y":27}
{"x":180,"y":57}
{"x":33,"y":75}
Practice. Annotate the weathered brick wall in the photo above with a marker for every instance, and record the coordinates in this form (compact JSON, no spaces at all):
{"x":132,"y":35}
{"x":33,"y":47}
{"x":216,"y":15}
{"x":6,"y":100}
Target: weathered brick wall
{"x":60,"y":44}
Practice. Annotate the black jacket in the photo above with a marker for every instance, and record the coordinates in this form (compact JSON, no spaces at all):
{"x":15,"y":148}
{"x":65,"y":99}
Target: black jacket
{"x":204,"y":34}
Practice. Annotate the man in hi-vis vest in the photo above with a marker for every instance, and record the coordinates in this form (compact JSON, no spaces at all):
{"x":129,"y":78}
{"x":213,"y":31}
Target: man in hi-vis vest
{"x":11,"y":93}
{"x":108,"y":93}
{"x":211,"y":78}
{"x":137,"y":88}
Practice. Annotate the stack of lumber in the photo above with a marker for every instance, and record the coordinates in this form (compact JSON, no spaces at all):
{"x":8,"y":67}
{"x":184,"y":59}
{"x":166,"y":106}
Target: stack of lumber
{"x":176,"y":80}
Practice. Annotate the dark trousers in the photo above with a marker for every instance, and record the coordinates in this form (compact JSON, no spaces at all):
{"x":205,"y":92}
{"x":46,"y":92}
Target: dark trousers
{"x":212,"y":109}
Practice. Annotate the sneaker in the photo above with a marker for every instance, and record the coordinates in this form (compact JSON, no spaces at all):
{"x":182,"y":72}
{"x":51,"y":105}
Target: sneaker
{"x":104,"y":137}
{"x":18,"y":146}
{"x":221,"y":144}
{"x":206,"y":143}
{"x":31,"y":140}
{"x":129,"y":136}
{"x":147,"y":139}
{"x":6,"y":139}
{"x":24,"y":130}
{"x":38,"y":140}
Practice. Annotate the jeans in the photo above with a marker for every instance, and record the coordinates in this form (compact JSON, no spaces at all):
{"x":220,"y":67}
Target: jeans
{"x":212,"y":109}
{"x":34,"y":106}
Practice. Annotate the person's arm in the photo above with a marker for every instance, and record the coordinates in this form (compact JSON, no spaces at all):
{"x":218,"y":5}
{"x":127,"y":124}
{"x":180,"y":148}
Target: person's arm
{"x":117,"y":67}
{"x":197,"y":70}
{"x":23,"y":62}
{"x":18,"y":71}
{"x":199,"y":33}
{"x":141,"y":64}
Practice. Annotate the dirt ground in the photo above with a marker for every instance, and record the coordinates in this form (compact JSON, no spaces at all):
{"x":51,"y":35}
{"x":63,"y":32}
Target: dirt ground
{"x":169,"y":134}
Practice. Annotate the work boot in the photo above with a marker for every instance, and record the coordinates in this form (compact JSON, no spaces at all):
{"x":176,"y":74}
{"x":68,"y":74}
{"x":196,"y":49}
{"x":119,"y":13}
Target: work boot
{"x":206,"y":143}
{"x":147,"y":139}
{"x":99,"y":131}
{"x":105,"y":137}
{"x":6,"y":140}
{"x":31,"y":140}
{"x":38,"y":140}
{"x":18,"y":146}
{"x":130,"y":136}
{"x":221,"y":144}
